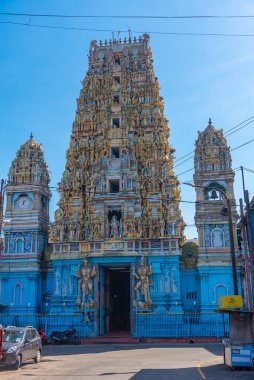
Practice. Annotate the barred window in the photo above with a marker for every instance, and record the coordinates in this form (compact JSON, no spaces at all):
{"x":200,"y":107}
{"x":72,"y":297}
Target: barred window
{"x":191,"y":295}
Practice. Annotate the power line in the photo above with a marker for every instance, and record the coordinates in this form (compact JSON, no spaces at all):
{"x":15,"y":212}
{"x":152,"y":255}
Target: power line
{"x":231,"y":133}
{"x":249,"y":170}
{"x":231,"y":150}
{"x":225,"y":134}
{"x":126,"y":31}
{"x":186,"y":155}
{"x":186,"y":171}
{"x":63,"y":27}
{"x":244,"y":121}
{"x":187,"y":159}
{"x":239,"y":146}
{"x":127,"y":16}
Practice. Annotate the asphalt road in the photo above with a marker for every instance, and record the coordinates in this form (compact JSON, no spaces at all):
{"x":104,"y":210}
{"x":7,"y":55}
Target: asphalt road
{"x":129,"y":361}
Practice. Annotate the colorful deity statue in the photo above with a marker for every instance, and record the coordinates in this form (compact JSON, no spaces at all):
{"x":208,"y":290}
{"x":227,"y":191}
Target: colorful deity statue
{"x":143,"y":284}
{"x":85,"y":275}
{"x":114,"y":228}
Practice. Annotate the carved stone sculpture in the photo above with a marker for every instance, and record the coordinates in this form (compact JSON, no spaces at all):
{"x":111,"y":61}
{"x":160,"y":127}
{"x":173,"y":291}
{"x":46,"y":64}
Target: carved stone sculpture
{"x":143,"y":284}
{"x":85,"y":275}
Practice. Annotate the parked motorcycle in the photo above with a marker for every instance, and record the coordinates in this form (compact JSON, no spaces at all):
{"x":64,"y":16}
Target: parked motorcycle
{"x":69,"y":336}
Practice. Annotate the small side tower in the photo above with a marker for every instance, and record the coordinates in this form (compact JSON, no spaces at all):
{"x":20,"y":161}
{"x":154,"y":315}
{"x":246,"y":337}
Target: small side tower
{"x":213,"y":176}
{"x":25,"y":229}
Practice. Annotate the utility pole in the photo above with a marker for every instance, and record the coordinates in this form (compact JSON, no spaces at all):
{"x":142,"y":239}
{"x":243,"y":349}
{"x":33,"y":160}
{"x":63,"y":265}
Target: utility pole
{"x":250,"y":236}
{"x":246,"y":256}
{"x":232,"y":245}
{"x":243,"y":182}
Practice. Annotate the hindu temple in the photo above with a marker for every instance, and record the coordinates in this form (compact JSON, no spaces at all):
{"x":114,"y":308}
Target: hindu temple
{"x":113,"y":253}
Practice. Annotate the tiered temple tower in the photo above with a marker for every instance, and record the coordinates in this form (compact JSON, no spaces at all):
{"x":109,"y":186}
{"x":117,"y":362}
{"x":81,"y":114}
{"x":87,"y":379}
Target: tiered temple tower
{"x":25,"y":230}
{"x":213,"y":177}
{"x":119,"y":198}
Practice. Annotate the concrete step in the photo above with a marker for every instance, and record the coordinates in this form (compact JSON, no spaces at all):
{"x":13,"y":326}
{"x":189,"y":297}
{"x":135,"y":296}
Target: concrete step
{"x":110,"y":339}
{"x":130,"y":340}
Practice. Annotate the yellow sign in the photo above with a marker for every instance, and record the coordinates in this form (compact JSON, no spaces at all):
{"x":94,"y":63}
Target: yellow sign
{"x":230,"y":302}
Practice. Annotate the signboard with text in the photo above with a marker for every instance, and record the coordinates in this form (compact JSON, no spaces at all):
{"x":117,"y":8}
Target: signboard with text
{"x":231,"y":302}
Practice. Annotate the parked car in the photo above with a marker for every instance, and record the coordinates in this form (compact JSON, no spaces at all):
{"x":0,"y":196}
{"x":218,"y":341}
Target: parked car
{"x":20,"y":344}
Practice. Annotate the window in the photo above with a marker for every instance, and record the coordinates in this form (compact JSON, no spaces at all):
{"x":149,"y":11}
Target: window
{"x":214,"y":191}
{"x":191,"y":295}
{"x":14,"y":336}
{"x":114,"y":185}
{"x":173,"y":244}
{"x":117,"y":61}
{"x":115,"y":152}
{"x":116,"y":99}
{"x":17,"y":294}
{"x":217,"y":238}
{"x":116,"y":122}
{"x":28,"y":336}
{"x":34,"y":335}
{"x":19,"y":246}
{"x":117,"y":79}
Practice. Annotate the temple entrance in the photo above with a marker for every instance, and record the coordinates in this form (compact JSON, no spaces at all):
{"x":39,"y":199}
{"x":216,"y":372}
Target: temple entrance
{"x":117,"y":300}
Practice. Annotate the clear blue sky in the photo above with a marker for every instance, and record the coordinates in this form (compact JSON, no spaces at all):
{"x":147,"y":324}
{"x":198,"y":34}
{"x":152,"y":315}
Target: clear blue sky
{"x":200,"y":76}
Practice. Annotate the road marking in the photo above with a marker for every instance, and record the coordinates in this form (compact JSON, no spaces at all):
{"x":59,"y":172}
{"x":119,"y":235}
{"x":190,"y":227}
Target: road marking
{"x":200,"y":371}
{"x":199,"y":366}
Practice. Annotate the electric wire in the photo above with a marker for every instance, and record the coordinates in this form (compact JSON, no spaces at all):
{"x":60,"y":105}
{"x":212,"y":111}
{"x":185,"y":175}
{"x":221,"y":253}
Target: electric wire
{"x":63,"y":27}
{"x":231,"y":150}
{"x":249,"y":170}
{"x":187,"y":159}
{"x":238,"y":129}
{"x":126,"y":16}
{"x":127,"y":31}
{"x":226,"y":134}
{"x":239,"y":146}
{"x":186,"y":171}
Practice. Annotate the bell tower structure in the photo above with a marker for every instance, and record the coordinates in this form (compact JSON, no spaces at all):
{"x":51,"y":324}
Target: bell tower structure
{"x":213,"y":178}
{"x":26,"y":228}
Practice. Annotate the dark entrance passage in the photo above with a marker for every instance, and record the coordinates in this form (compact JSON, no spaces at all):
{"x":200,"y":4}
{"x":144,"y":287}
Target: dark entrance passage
{"x":117,"y":300}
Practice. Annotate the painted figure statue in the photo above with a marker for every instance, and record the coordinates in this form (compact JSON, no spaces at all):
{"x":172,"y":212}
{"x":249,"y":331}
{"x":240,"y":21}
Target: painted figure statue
{"x":144,"y":272}
{"x":85,"y":275}
{"x":114,"y":227}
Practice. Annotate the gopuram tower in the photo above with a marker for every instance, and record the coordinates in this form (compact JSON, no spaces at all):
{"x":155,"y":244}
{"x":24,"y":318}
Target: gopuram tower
{"x":118,"y":226}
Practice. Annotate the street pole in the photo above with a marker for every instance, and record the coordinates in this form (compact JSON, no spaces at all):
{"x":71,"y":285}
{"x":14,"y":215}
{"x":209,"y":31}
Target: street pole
{"x":246,"y":256}
{"x":243,"y":182}
{"x":250,"y":236}
{"x":232,"y":245}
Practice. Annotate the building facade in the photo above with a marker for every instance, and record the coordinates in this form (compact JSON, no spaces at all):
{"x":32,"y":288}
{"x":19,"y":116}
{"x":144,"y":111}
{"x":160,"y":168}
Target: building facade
{"x":114,"y":252}
{"x":25,"y":230}
{"x":213,"y":181}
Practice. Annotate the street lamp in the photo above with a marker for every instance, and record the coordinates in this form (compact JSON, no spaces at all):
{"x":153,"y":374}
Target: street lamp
{"x":227,"y":211}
